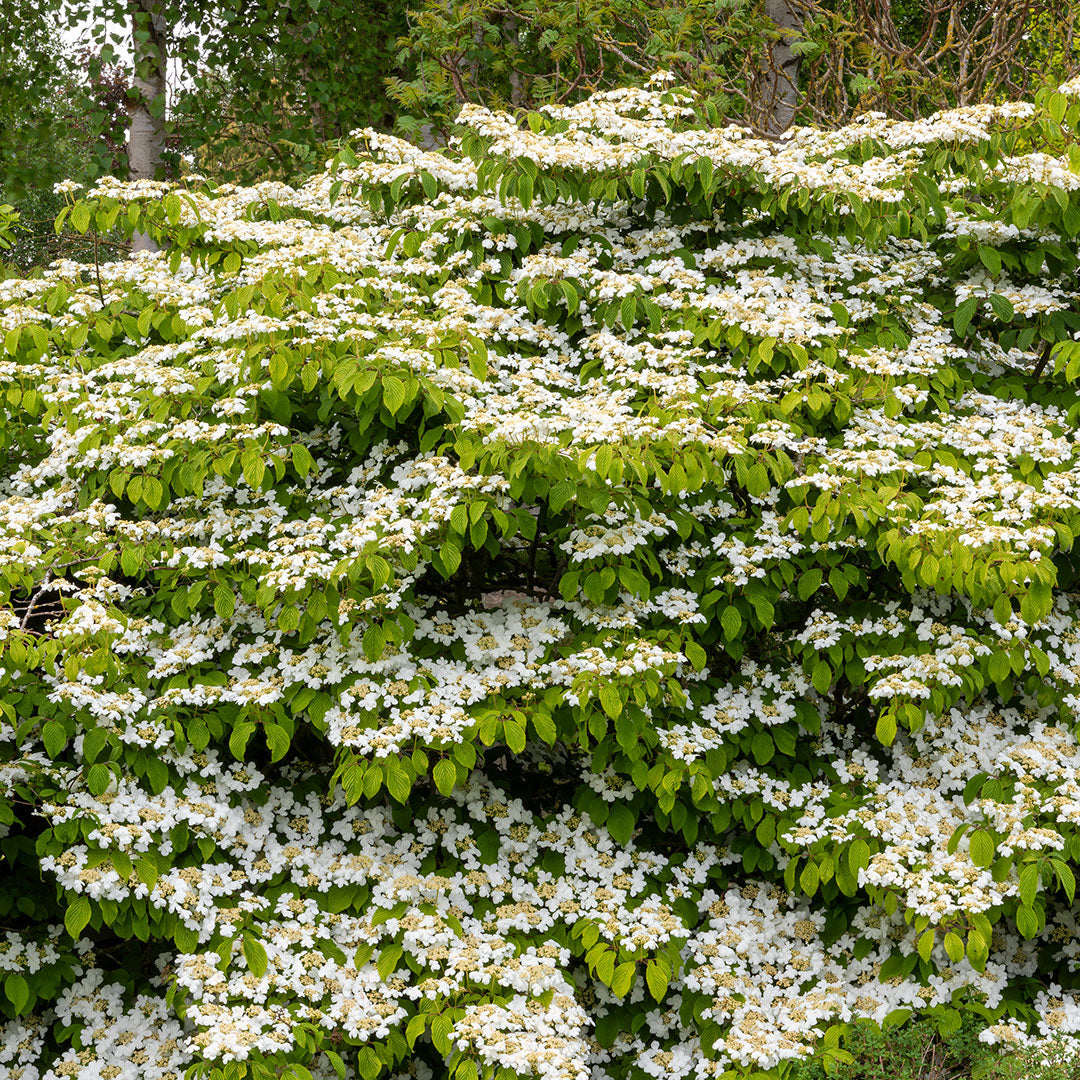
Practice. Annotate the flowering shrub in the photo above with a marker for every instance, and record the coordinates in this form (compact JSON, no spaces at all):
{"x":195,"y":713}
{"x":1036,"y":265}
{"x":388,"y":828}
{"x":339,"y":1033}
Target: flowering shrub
{"x":597,"y":603}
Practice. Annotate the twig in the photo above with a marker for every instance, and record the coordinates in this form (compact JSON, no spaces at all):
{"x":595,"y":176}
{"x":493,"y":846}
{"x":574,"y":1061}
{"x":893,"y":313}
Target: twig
{"x":1043,"y":360}
{"x":45,"y":582}
{"x":97,"y":270}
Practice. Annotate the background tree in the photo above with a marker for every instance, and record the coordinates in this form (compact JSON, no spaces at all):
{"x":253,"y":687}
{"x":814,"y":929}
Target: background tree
{"x":781,"y":76}
{"x":76,"y":130}
{"x":259,"y":85}
{"x":910,"y":58}
{"x":150,"y":33}
{"x":528,"y":54}
{"x":33,"y":68}
{"x":272,"y":82}
{"x":763,"y":63}
{"x":265,"y":85}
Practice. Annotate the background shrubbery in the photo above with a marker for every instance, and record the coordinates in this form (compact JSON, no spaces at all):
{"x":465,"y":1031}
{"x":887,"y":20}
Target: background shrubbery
{"x":260,"y":90}
{"x":919,"y":1051}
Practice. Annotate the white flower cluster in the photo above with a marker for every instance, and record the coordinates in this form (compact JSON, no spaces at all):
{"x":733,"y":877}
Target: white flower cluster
{"x":604,"y":529}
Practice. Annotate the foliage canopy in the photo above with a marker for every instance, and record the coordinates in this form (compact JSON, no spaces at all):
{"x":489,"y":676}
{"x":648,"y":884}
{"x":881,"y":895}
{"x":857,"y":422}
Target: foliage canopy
{"x":599,"y":602}
{"x":905,"y":58}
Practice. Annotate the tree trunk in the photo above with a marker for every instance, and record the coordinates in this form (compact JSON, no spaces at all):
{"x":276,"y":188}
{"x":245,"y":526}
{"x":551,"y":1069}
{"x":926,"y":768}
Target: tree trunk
{"x":510,"y":36}
{"x":146,"y":136}
{"x":782,"y":74}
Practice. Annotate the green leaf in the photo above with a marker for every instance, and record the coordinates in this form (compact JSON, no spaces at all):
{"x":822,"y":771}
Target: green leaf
{"x":822,"y":677}
{"x":1027,"y":922}
{"x":1066,"y":878}
{"x":981,"y":847}
{"x":544,"y":727}
{"x":568,"y":585}
{"x":978,"y":950}
{"x":1029,"y":884}
{"x":370,"y":1066}
{"x":224,"y":601}
{"x":1002,"y":308}
{"x":731,"y":621}
{"x":809,"y":583}
{"x":254,"y":468}
{"x":478,"y":357}
{"x":238,"y":740}
{"x":514,"y":734}
{"x":98,"y":778}
{"x":656,"y":979}
{"x":926,"y":945}
{"x":611,"y":699}
{"x":573,"y":299}
{"x":398,"y":783}
{"x":444,"y":775}
{"x":388,"y":961}
{"x":885,"y":729}
{"x":255,"y":956}
{"x":80,"y":217}
{"x":623,"y":978}
{"x":858,"y":854}
{"x":957,"y":836}
{"x":147,"y":871}
{"x":54,"y":736}
{"x":416,"y":1027}
{"x":999,"y":667}
{"x":605,"y":966}
{"x":301,"y":459}
{"x":620,"y":823}
{"x":525,"y":190}
{"x":277,"y":740}
{"x":990,"y":258}
{"x":374,"y":642}
{"x":17,"y":990}
{"x":1002,"y":610}
{"x":763,"y":748}
{"x":963,"y":315}
{"x":695,"y":654}
{"x":393,"y":391}
{"x":77,"y":916}
{"x":954,"y":947}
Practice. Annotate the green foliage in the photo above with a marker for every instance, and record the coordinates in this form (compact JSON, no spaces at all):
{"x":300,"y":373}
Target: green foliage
{"x":905,"y":59}
{"x":909,"y":58}
{"x":8,"y":216}
{"x":545,"y":53}
{"x":31,"y":69}
{"x":934,"y":1049}
{"x":71,"y":132}
{"x":272,"y":83}
{"x":264,"y":87}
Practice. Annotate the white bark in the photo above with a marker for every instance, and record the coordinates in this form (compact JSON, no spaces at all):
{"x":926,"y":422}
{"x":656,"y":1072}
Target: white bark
{"x":146,"y":135}
{"x":782,"y":76}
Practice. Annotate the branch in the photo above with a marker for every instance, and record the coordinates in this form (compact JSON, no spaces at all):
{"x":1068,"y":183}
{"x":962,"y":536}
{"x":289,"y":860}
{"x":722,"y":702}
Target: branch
{"x":1037,"y":371}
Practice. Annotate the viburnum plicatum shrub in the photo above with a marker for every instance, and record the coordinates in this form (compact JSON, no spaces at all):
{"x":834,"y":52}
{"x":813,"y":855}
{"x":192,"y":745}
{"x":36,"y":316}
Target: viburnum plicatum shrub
{"x":597,"y":603}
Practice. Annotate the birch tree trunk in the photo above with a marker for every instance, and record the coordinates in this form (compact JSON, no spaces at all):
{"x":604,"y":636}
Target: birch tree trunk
{"x":146,"y":136}
{"x":782,"y":76}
